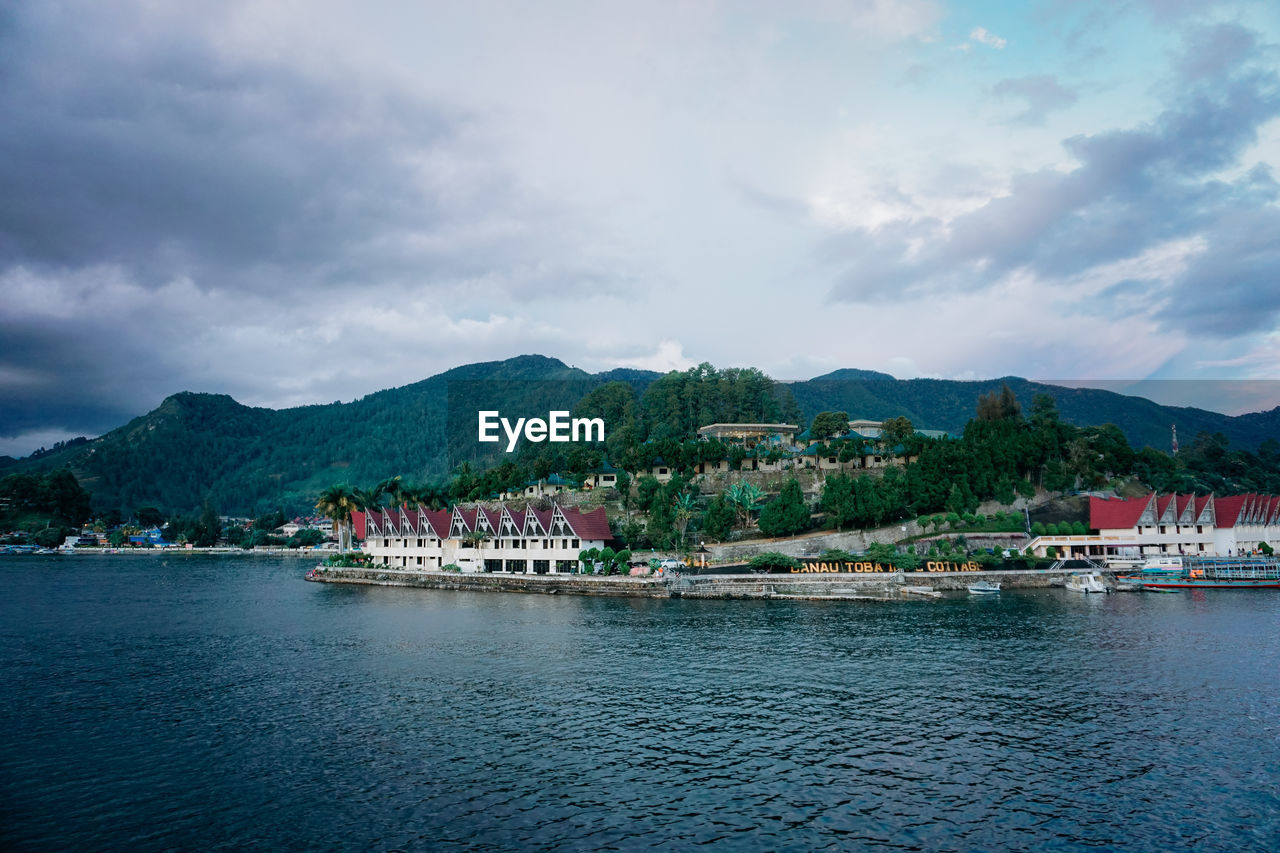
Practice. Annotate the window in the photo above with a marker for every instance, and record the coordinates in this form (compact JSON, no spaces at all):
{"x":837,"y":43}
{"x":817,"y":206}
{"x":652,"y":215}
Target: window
{"x":565,"y":565}
{"x":662,"y":470}
{"x":541,"y":567}
{"x":1162,"y":528}
{"x":493,"y":565}
{"x":575,"y":544}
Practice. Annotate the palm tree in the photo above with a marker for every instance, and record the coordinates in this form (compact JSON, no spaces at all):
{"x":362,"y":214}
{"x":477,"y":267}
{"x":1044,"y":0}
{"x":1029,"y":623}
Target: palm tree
{"x":336,"y":503}
{"x":684,"y":503}
{"x":394,"y":488}
{"x":433,"y":495}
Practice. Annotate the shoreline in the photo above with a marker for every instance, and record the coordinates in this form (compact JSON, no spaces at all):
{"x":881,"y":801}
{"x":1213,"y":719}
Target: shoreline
{"x":883,"y":586}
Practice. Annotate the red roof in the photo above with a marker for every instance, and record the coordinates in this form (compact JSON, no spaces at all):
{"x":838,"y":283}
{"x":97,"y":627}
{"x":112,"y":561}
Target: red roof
{"x":1228,"y":510}
{"x":358,"y":522}
{"x":1184,"y":501}
{"x":1201,"y":503}
{"x":1117,"y":514}
{"x":588,"y":525}
{"x":1162,"y":503}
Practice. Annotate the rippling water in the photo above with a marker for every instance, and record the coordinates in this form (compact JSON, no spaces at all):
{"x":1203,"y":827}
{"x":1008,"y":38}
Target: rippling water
{"x":221,"y":702}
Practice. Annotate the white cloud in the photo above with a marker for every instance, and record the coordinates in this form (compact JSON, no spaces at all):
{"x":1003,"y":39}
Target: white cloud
{"x":983,"y":36}
{"x":667,"y":356}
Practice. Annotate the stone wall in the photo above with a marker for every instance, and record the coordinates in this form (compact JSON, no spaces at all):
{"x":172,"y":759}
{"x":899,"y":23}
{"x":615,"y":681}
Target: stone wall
{"x":547,"y":584}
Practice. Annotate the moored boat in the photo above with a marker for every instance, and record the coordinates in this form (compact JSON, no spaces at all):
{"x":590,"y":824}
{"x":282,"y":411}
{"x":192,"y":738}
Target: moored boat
{"x":1086,"y":582}
{"x":984,"y":588}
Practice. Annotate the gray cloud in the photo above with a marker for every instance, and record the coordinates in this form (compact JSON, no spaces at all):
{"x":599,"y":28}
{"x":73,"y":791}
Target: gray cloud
{"x":1041,"y":94}
{"x":139,"y":149}
{"x":1132,"y":190}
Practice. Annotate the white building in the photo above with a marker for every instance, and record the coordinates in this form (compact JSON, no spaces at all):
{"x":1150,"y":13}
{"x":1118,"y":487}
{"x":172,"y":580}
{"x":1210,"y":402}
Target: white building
{"x":480,"y":539}
{"x":1173,"y":524}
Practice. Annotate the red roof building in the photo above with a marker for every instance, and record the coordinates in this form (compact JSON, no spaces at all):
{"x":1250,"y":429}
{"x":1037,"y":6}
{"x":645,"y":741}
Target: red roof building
{"x":482,"y":539}
{"x":1174,"y":524}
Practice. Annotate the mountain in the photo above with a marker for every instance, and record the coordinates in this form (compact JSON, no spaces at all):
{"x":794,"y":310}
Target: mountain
{"x":245,"y":460}
{"x":947,"y":405}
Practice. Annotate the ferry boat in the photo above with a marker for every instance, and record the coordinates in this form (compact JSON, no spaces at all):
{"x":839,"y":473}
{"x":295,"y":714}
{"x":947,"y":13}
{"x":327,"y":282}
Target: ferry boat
{"x":1218,"y":573}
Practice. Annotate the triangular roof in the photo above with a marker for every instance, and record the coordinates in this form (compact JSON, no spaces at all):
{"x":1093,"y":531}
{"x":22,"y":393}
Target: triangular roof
{"x":588,"y":525}
{"x":1117,"y":513}
{"x":1227,"y":509}
{"x":1204,"y":509}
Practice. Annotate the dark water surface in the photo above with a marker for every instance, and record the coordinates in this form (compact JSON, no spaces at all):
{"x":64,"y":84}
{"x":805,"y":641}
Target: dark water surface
{"x":221,"y":702}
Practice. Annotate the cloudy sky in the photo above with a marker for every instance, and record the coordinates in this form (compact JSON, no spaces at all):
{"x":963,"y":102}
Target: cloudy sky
{"x":295,"y":202}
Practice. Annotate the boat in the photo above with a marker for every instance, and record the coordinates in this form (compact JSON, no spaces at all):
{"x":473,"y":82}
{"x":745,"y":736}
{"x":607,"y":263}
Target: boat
{"x":1086,"y":582}
{"x":984,"y":588}
{"x":1217,"y":573}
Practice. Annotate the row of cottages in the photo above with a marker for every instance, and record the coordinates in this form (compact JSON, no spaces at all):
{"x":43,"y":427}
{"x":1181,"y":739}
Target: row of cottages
{"x":792,"y":449}
{"x":480,"y":539}
{"x":1174,"y":524}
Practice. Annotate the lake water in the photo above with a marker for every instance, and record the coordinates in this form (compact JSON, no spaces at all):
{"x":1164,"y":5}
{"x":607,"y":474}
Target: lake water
{"x":152,"y":702}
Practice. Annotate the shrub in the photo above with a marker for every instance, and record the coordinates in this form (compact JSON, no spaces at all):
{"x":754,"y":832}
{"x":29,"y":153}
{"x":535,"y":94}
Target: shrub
{"x":772,"y":559}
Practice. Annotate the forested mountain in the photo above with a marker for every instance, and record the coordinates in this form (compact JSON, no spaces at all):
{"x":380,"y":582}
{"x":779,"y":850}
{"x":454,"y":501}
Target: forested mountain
{"x":947,"y":405}
{"x":205,"y":447}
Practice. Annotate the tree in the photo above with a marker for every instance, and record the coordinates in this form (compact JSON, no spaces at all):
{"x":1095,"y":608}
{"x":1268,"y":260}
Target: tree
{"x":896,"y":431}
{"x":647,"y":490}
{"x":828,"y":425}
{"x":683,"y":505}
{"x":336,"y":503}
{"x":148,"y":516}
{"x":719,"y":518}
{"x":208,"y":528}
{"x":881,"y":552}
{"x":1002,"y":406}
{"x":308,"y":537}
{"x":788,"y":514}
{"x":838,"y":500}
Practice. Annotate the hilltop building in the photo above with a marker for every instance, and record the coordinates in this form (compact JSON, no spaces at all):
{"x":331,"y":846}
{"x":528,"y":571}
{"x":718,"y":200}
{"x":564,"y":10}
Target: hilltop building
{"x":749,"y":435}
{"x":479,"y":539}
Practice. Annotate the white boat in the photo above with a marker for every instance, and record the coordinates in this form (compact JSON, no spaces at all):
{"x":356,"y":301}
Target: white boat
{"x":1086,"y":582}
{"x":984,"y":588}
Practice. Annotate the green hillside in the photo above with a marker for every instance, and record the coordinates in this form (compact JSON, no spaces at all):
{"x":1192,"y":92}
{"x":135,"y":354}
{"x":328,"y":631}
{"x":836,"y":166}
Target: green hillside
{"x":207,"y":447}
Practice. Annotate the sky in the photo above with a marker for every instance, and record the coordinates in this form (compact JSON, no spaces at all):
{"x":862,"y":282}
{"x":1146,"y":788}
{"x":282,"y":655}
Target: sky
{"x":301,"y":202}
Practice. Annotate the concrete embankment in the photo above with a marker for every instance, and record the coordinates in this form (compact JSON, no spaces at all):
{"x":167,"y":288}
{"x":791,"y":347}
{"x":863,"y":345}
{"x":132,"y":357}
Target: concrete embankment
{"x":878,"y":587}
{"x":545,"y":584}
